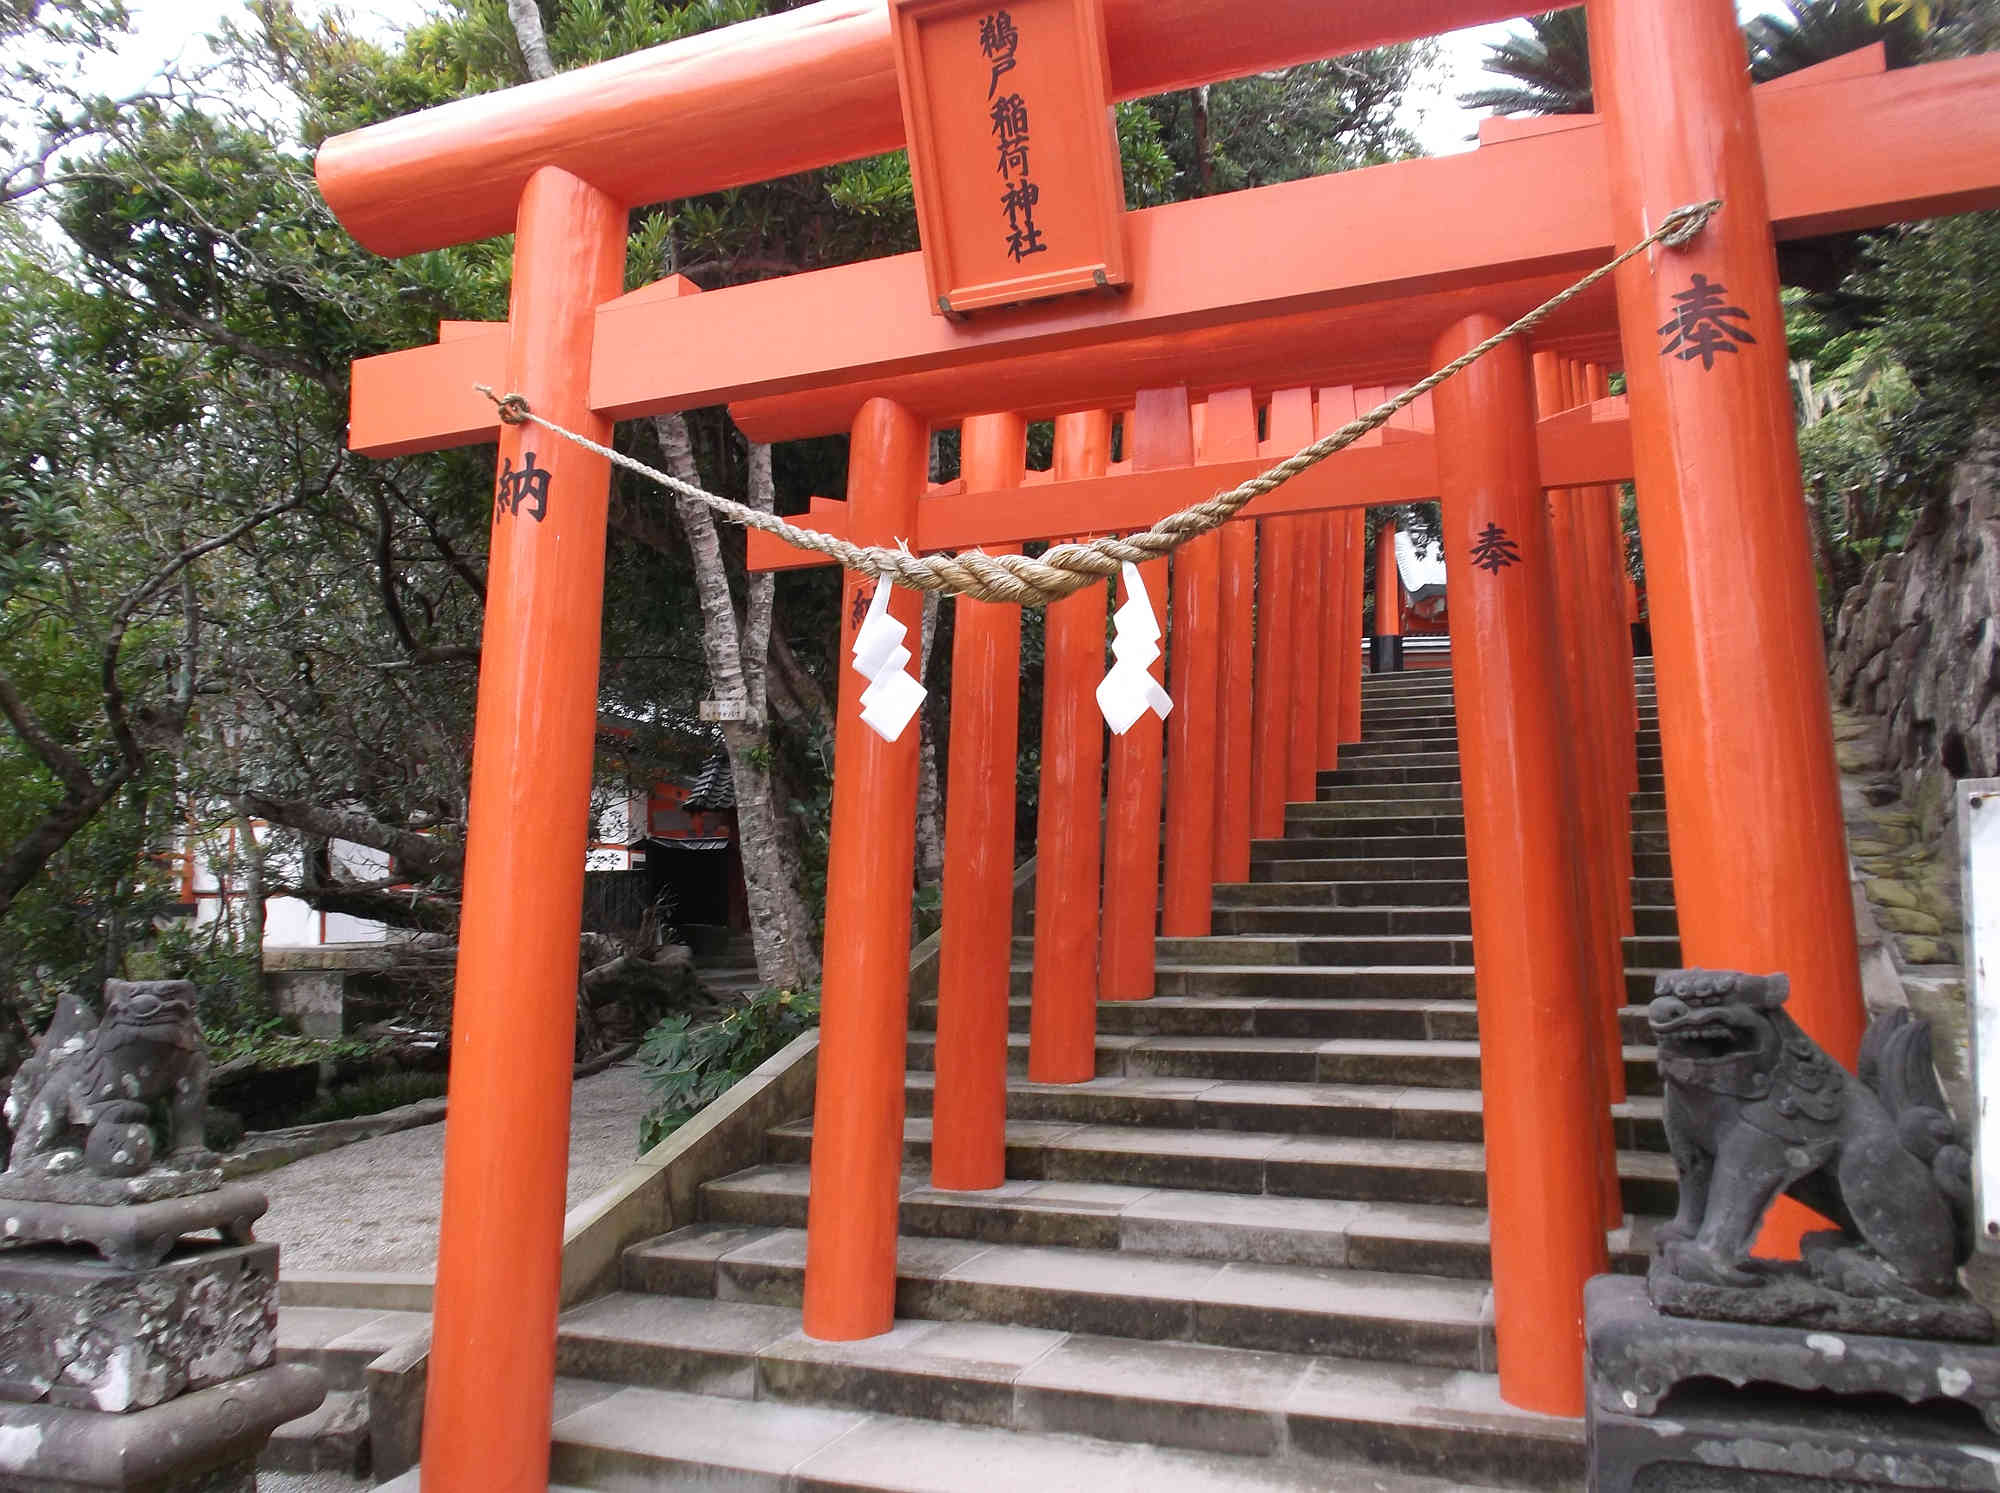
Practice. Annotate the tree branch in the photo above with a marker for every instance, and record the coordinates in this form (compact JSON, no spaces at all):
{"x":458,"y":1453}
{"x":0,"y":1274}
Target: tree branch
{"x":420,"y":856}
{"x":56,"y":757}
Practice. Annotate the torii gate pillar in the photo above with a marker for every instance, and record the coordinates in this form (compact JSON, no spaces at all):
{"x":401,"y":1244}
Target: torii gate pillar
{"x":1753,"y":807}
{"x":1547,"y":1127}
{"x":506,"y":1151}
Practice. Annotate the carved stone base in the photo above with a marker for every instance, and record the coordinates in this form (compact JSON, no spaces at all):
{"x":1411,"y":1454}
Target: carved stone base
{"x":133,"y":1236}
{"x":76,"y":1331}
{"x":205,"y":1441}
{"x":1681,"y":1404}
{"x":1790,"y":1297}
{"x":162,"y":1182}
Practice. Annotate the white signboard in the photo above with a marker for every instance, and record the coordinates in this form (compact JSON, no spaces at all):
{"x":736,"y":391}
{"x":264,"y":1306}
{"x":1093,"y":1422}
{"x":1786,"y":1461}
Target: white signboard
{"x":1979,"y":834}
{"x":724,"y":710}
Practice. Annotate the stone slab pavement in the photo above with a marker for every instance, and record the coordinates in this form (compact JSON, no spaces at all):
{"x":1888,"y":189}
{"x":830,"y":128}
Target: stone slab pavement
{"x":374,"y":1205}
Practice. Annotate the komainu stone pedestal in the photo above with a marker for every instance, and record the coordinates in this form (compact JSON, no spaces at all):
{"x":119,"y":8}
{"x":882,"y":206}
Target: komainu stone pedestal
{"x":1684,"y":1406}
{"x":161,"y":1379}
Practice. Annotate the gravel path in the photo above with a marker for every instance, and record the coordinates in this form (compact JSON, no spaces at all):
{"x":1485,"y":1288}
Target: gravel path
{"x":374,"y":1205}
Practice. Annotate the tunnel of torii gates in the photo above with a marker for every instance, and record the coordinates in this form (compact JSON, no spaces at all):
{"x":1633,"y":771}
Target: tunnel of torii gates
{"x":1303,"y":300}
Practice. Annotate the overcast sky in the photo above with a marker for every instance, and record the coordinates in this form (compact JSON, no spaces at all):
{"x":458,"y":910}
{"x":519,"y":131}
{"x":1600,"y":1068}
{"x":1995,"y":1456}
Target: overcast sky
{"x":172,"y":28}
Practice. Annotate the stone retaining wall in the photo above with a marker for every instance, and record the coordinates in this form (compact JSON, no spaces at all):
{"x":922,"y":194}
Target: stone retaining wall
{"x":1917,"y":647}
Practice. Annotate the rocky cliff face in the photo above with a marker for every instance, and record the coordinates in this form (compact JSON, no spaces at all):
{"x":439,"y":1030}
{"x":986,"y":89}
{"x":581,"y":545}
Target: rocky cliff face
{"x":1918,"y":643}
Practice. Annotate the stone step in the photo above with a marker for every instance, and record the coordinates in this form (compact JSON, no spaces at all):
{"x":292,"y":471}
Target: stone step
{"x":1416,"y":798}
{"x":1360,"y":922}
{"x":1648,"y":953}
{"x":333,"y":1438}
{"x":1360,"y":1168}
{"x":1317,"y":893}
{"x":1368,"y":982}
{"x":1331,"y":860}
{"x":1357,"y":843}
{"x":1310,"y":842}
{"x":1424,"y":817}
{"x":1652,"y":922}
{"x":1430,"y":1062}
{"x":1393,"y":742}
{"x":1306,"y":883}
{"x":1318,"y":1232}
{"x":1377,"y":1315}
{"x":1403,"y":774}
{"x":631,"y":1437}
{"x":1400,"y":756}
{"x":1389,"y":1112}
{"x":1444,"y":788}
{"x":1258,"y":1016}
{"x":342,"y":1341}
{"x":1443,"y":711}
{"x":1417,"y":752}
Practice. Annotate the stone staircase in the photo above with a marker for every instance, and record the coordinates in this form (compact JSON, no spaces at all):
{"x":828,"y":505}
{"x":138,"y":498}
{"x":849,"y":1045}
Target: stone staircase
{"x":1252,"y":1254}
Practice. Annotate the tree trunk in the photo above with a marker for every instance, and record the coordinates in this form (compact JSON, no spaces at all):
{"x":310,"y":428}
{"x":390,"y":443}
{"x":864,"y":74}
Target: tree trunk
{"x":1204,"y":165}
{"x":253,"y":896}
{"x":930,"y":799}
{"x":737,"y":661}
{"x":527,"y":18}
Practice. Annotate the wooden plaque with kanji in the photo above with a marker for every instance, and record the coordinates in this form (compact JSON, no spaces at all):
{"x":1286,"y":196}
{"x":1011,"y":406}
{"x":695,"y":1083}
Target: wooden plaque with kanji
{"x":1013,"y":149}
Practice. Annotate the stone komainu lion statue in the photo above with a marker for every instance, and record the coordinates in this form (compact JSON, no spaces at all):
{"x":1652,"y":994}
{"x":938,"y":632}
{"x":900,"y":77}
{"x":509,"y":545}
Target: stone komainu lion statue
{"x":1754,"y":1108}
{"x":87,"y":1097}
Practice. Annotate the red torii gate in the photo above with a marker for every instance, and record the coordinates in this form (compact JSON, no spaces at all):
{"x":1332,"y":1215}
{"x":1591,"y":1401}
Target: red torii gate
{"x":1291,"y":720}
{"x":1747,"y":742}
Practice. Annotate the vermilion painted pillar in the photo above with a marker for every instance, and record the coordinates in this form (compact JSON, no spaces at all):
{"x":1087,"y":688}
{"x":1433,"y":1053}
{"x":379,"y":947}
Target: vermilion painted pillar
{"x":1062,"y":1036}
{"x":1303,"y":645}
{"x":1591,"y":783}
{"x":506,"y":1163}
{"x":975,"y":949}
{"x":1193,"y":668}
{"x":1604,"y":553}
{"x":1278,"y":637}
{"x":1341,"y":693}
{"x":1231,"y":434}
{"x":1157,"y":435}
{"x":1753,"y":804}
{"x":1388,"y":646}
{"x":1354,"y":545}
{"x":1545,"y":1123}
{"x":1330,"y":540}
{"x":857,"y":1150}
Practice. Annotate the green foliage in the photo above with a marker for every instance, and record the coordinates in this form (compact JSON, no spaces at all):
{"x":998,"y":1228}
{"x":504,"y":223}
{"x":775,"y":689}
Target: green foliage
{"x":370,"y":1096}
{"x":690,"y":1064}
{"x":233,"y":1002}
{"x":1889,"y":399}
{"x":1548,"y":68}
{"x":1275,"y":127}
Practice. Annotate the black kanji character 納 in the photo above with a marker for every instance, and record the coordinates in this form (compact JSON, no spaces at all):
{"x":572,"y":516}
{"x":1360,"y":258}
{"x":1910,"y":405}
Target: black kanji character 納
{"x":857,"y":613}
{"x":998,"y":40}
{"x":1023,"y":237}
{"x":530,"y":485}
{"x":1702,"y":324}
{"x":1494,"y":551}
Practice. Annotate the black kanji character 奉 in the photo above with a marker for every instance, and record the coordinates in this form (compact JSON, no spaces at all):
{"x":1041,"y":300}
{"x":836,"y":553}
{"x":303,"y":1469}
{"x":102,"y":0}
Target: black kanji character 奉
{"x":1023,"y":237}
{"x":998,"y":40}
{"x":1702,"y":324}
{"x":530,"y":485}
{"x":1494,"y":550}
